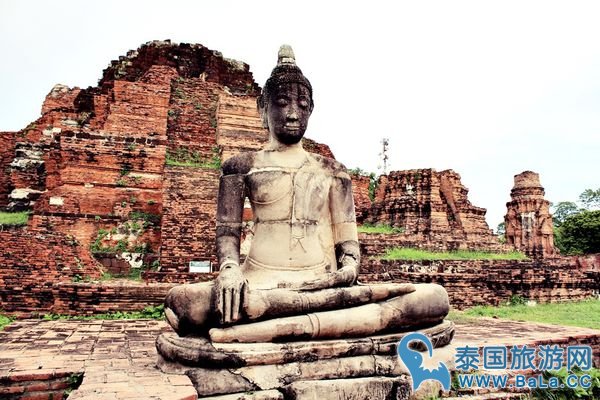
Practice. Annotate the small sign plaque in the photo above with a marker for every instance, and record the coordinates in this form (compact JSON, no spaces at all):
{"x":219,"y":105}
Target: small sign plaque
{"x":200,"y":266}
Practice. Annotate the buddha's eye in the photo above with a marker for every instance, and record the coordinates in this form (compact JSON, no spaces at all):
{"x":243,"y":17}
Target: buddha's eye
{"x":282,"y":101}
{"x":304,"y":102}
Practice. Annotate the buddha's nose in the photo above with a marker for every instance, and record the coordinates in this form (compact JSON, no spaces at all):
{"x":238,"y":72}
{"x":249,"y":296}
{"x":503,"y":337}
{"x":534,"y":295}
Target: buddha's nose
{"x":292,"y":115}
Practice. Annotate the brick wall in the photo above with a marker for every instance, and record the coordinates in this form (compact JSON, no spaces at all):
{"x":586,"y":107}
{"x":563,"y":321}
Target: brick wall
{"x":104,"y":297}
{"x":192,"y":119}
{"x":32,"y":262}
{"x":239,"y":127}
{"x":317,"y":148}
{"x":189,"y":217}
{"x":189,"y":60}
{"x":61,"y":98}
{"x":7,"y":153}
{"x":589,"y":262}
{"x":138,"y":107}
{"x":362,"y":201}
{"x":477,"y":282}
{"x":373,"y":244}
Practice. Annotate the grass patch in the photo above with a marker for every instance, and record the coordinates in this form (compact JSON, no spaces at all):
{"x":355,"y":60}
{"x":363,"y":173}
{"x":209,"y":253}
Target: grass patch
{"x":135,"y":274}
{"x":459,"y":317}
{"x":183,"y":157}
{"x":404,"y":253}
{"x":585,"y":314}
{"x":4,"y":320}
{"x":150,"y":312}
{"x":387,"y":229}
{"x":14,"y":218}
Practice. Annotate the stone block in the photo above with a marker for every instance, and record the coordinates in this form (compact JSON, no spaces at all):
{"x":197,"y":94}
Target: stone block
{"x":372,"y":388}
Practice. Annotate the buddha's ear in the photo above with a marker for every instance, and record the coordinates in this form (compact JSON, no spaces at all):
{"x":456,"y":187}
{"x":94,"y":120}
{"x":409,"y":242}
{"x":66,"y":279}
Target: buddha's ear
{"x":262,"y":110}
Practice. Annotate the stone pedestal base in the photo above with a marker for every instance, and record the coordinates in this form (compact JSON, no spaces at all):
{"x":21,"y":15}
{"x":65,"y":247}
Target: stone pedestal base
{"x":350,"y":369}
{"x":396,"y":388}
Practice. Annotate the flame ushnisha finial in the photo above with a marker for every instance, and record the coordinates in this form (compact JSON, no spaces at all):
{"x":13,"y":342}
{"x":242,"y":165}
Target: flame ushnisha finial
{"x":286,"y":55}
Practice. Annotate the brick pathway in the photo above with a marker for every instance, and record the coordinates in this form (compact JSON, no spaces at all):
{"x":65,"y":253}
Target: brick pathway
{"x":118,"y":357}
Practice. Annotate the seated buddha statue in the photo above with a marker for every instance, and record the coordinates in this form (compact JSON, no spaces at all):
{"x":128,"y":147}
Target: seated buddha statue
{"x":299,"y":279}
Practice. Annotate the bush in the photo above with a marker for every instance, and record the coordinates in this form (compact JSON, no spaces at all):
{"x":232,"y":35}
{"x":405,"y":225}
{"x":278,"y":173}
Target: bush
{"x":579,"y":233}
{"x":564,"y":392}
{"x":14,"y":218}
{"x":379,"y":228}
{"x":183,"y":157}
{"x":5,"y":320}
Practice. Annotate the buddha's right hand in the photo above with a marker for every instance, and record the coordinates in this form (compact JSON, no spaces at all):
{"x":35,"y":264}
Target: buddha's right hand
{"x":229,"y":293}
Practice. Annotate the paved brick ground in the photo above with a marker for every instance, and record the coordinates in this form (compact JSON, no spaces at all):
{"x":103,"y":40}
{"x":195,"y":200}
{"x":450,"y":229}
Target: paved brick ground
{"x":118,"y":358}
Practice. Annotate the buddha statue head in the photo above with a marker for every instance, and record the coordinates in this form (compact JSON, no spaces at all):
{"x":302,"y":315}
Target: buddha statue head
{"x":286,"y":101}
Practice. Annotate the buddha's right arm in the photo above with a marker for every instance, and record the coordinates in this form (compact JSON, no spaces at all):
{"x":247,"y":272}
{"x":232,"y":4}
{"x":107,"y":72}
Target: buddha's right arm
{"x":230,"y":207}
{"x":230,"y":286}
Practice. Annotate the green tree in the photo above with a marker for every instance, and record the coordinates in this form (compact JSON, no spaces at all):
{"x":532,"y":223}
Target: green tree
{"x":373,"y":184}
{"x":590,"y":198}
{"x":501,"y":232}
{"x":501,"y":229}
{"x":579,"y":233}
{"x":562,"y":211}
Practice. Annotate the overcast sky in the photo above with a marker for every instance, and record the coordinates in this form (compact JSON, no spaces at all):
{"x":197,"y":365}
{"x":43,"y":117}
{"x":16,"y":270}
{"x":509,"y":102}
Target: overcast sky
{"x":488,"y":89}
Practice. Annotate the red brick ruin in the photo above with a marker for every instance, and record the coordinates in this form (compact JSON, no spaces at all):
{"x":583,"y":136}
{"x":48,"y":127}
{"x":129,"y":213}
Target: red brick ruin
{"x":93,"y":168}
{"x":528,"y":221}
{"x":433,"y":210}
{"x":101,"y":172}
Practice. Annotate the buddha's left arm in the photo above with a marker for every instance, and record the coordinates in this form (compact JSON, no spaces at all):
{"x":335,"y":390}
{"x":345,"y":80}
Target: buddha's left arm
{"x":343,"y":222}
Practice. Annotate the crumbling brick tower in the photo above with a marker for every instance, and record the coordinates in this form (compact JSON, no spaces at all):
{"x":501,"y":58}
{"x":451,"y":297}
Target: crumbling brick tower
{"x":433,"y":209}
{"x":528,"y":220}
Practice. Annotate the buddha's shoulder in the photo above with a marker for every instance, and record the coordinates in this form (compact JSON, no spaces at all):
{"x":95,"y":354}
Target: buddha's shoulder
{"x":330,"y":165}
{"x":239,"y":164}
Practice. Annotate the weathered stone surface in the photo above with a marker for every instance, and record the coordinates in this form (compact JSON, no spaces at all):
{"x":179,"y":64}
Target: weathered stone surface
{"x":425,"y":306}
{"x":433,"y":210}
{"x":284,"y":376}
{"x":528,"y":221}
{"x":223,"y":381}
{"x":198,"y":351}
{"x":350,"y":389}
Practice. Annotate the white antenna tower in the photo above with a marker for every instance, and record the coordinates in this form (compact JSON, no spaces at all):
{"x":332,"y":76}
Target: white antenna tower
{"x":384,"y":155}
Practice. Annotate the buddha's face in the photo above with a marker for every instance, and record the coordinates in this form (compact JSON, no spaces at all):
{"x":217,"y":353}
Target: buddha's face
{"x":287,"y":112}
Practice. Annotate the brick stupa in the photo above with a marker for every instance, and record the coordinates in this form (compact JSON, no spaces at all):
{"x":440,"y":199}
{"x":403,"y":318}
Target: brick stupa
{"x":528,"y":220}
